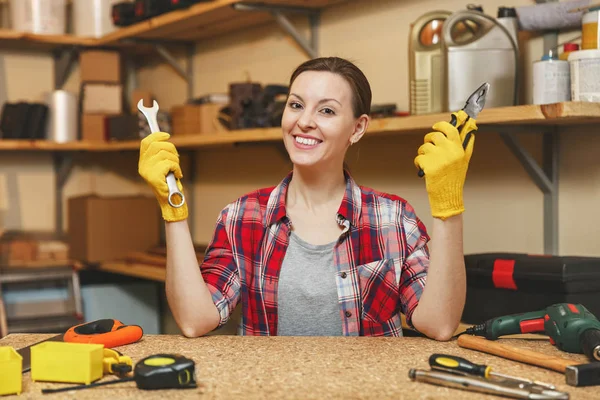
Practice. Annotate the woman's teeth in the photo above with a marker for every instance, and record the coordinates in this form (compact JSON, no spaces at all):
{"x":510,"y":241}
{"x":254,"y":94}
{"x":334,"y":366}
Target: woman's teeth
{"x":306,"y":141}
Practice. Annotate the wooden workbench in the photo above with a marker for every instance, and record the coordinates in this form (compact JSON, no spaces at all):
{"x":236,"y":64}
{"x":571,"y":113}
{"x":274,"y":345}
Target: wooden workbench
{"x":229,"y":367}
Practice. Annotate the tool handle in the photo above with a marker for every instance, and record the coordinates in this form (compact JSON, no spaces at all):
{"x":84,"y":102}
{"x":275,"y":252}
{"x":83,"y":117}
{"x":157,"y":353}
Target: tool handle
{"x":457,"y":364}
{"x":514,"y":353}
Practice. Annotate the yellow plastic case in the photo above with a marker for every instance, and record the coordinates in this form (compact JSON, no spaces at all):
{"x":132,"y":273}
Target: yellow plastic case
{"x":66,"y":362}
{"x":11,"y":364}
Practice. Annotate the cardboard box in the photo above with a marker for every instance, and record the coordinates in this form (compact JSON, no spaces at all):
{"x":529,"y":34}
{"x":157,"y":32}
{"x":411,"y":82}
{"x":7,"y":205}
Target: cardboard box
{"x":102,"y":98}
{"x":107,"y":228}
{"x":100,"y":66}
{"x":93,"y":128}
{"x":196,"y":119}
{"x":138,"y":94}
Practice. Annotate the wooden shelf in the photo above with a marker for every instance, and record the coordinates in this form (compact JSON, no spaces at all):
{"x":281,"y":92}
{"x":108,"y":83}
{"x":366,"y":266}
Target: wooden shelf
{"x":203,"y":20}
{"x":144,"y":271}
{"x":554,"y":114}
{"x":22,"y":40}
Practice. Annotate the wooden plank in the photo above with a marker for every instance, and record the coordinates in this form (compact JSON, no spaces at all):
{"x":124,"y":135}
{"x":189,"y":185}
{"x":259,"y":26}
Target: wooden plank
{"x":137,"y":270}
{"x":186,"y":24}
{"x":567,"y":113}
{"x":39,"y":264}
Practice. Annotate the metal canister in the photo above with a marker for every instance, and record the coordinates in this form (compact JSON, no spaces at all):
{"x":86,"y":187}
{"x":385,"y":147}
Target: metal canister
{"x":551,"y":81}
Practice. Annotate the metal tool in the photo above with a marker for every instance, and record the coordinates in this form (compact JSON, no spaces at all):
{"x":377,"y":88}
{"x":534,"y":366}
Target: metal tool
{"x":576,"y":374}
{"x":571,"y":327}
{"x":477,"y":384}
{"x":468,"y":114}
{"x":159,"y":371}
{"x":449,"y":363}
{"x":150,"y":114}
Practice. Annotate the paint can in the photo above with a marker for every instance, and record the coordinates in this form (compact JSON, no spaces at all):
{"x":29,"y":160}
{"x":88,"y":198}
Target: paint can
{"x":585,"y":75}
{"x":551,"y":81}
{"x":589,"y":29}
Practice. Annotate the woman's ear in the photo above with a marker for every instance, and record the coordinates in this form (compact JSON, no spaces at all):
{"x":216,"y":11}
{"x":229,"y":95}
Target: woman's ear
{"x":360,"y":128}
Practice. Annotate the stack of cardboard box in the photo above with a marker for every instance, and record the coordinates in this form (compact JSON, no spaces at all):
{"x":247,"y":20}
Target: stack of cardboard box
{"x":101,"y":94}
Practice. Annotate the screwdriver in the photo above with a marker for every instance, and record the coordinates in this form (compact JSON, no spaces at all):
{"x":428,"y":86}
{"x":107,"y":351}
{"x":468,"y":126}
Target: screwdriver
{"x":460,"y":365}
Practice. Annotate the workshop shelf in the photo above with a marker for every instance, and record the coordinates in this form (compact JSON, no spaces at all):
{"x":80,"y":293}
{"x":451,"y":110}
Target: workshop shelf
{"x":204,"y":20}
{"x":559,"y":114}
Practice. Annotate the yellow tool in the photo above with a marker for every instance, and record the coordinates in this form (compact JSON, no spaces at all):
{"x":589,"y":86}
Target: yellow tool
{"x":10,"y":371}
{"x":116,"y":363}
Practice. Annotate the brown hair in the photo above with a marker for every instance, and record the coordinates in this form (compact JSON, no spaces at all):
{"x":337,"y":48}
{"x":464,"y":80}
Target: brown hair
{"x":361,"y":90}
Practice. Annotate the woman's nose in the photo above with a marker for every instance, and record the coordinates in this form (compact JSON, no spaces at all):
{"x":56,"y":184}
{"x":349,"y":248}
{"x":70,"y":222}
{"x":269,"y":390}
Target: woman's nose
{"x":306,"y":121}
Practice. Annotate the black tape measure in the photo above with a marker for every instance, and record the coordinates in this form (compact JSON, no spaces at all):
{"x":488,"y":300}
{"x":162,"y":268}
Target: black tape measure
{"x":159,"y":371}
{"x":165,"y":371}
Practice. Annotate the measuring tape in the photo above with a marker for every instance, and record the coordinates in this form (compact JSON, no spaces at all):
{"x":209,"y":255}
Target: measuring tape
{"x":162,"y":371}
{"x":158,"y":371}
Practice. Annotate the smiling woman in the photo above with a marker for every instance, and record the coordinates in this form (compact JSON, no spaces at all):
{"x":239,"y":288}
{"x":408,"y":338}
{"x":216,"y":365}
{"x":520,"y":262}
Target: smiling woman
{"x":319,"y":254}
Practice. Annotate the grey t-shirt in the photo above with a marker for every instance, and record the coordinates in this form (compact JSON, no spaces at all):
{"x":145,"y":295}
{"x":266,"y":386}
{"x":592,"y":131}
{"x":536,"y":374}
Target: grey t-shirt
{"x":307,"y":300}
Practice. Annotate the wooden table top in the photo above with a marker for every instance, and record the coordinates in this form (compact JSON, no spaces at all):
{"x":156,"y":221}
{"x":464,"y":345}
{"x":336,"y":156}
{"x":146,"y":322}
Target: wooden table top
{"x":229,"y":367}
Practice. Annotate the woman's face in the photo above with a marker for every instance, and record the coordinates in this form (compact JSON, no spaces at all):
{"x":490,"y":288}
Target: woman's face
{"x":318,"y":121}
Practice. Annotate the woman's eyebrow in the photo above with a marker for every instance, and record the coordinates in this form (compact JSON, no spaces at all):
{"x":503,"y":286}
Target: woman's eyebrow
{"x":320,"y":101}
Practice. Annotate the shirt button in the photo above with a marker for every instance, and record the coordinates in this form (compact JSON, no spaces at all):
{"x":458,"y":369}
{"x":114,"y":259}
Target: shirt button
{"x":348,"y":314}
{"x":344,"y":275}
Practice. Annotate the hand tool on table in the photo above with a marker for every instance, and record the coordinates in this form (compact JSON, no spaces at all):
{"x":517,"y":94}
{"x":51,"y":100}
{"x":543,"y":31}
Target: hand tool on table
{"x":174,"y":192}
{"x":116,"y":363}
{"x":571,"y":328}
{"x":576,"y":373}
{"x":159,"y":371}
{"x":467,"y":116}
{"x":477,"y":384}
{"x":109,"y":332}
{"x":449,"y":363}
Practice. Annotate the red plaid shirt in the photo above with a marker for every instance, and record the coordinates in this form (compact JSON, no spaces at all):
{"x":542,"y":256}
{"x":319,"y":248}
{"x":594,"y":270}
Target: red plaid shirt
{"x":381,"y":260}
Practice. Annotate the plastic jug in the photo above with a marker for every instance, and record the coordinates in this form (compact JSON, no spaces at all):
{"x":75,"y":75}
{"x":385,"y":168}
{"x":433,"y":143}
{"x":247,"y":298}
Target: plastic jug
{"x":478,"y":48}
{"x":425,"y":63}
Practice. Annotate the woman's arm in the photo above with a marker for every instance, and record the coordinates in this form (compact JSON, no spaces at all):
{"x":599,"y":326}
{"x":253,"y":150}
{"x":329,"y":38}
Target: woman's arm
{"x":441,"y":304}
{"x":188,"y":296}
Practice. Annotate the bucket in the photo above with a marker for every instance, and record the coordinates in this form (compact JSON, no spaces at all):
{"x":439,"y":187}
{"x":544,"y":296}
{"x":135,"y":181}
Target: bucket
{"x":551,"y":82}
{"x":92,"y":18}
{"x":38,"y":16}
{"x":585,"y":70}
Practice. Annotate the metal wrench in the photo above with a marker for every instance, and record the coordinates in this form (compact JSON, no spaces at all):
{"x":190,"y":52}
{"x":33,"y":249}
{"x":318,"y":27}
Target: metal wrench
{"x":150,"y":114}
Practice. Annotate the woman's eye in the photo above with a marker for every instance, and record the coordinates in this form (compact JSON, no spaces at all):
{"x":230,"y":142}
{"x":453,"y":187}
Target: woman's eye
{"x":328,"y":111}
{"x":294,"y":105}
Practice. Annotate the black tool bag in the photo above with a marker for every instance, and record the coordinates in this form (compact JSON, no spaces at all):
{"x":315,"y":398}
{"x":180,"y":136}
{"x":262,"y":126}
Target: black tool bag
{"x":508,"y":283}
{"x":23,"y":120}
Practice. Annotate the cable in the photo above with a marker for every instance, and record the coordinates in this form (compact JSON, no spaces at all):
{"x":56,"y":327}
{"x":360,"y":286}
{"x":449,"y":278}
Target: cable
{"x":91,"y":385}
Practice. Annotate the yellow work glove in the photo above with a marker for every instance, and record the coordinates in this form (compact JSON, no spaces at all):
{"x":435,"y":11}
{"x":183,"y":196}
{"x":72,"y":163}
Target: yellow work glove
{"x":158,"y":157}
{"x":445,"y":163}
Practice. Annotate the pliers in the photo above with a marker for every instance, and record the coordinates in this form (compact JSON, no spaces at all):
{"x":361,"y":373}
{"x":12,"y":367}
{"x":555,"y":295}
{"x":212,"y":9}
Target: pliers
{"x":467,"y":116}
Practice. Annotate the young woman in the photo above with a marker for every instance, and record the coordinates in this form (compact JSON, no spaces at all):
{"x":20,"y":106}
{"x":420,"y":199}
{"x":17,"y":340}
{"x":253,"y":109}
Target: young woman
{"x":318,"y":254}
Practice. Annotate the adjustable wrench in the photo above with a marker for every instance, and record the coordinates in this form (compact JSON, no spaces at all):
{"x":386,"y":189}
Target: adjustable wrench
{"x":150,"y":114}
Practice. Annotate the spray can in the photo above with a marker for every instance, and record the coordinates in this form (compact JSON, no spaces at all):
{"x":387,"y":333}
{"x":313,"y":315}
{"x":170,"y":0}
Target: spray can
{"x":551,"y":80}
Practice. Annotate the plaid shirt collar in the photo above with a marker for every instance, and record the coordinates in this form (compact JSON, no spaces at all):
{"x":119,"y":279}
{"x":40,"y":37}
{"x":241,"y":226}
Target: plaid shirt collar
{"x":350,"y":209}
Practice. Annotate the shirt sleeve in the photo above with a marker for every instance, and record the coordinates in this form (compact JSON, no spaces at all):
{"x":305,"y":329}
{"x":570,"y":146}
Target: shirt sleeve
{"x":416,"y":261}
{"x":219,"y":271}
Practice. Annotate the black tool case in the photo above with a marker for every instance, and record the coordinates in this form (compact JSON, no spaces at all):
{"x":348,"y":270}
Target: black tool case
{"x":508,"y":283}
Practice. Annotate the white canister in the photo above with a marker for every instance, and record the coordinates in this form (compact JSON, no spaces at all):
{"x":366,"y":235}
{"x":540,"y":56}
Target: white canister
{"x":93,"y":18}
{"x":62,"y":117}
{"x":39,"y":16}
{"x":585,"y":75}
{"x":551,"y":81}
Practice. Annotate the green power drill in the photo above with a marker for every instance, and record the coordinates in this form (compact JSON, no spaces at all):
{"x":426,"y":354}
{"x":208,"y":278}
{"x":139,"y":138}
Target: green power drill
{"x":571,"y":327}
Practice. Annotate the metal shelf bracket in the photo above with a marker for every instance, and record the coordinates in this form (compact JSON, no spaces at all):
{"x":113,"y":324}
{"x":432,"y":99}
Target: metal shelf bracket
{"x":545,"y":176}
{"x":63,"y":63}
{"x":63,"y":165}
{"x":311,"y":46}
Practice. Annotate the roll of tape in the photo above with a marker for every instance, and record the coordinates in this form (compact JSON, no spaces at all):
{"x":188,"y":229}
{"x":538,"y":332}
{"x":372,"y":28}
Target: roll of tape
{"x":62,"y":121}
